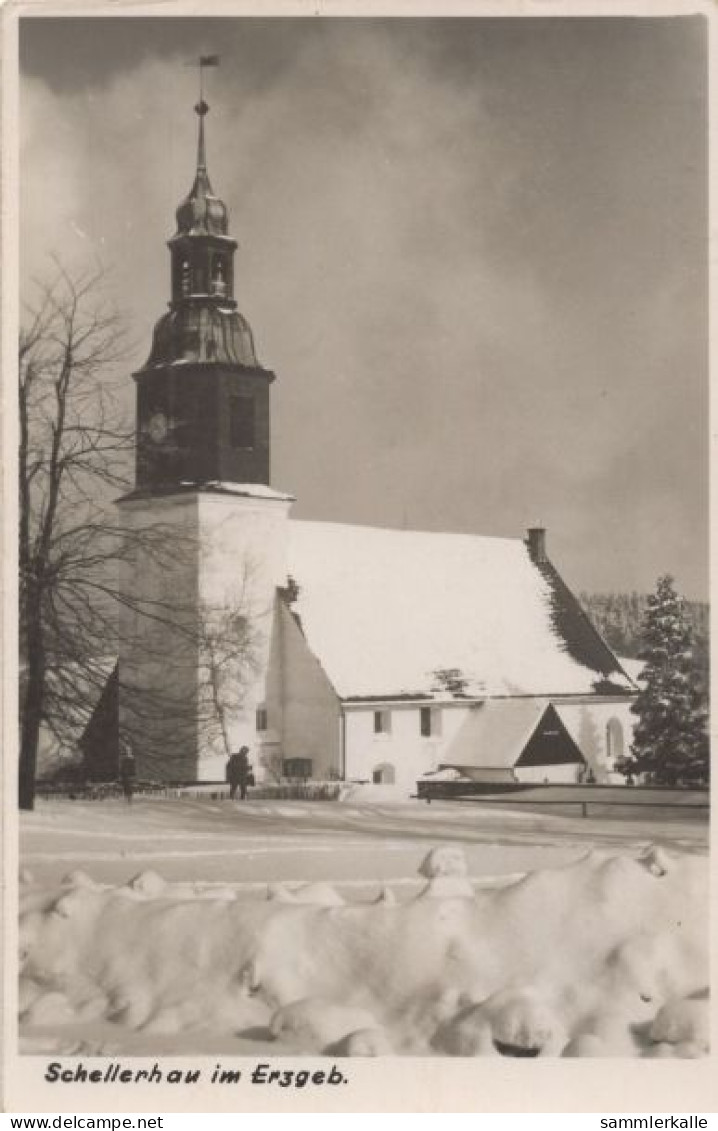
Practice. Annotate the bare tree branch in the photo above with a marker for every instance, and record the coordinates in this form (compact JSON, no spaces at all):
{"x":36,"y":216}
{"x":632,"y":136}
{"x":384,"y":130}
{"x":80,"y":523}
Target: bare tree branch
{"x":76,"y":448}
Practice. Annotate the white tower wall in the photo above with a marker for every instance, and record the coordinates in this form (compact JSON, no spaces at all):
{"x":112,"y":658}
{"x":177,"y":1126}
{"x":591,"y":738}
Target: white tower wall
{"x":200,"y":577}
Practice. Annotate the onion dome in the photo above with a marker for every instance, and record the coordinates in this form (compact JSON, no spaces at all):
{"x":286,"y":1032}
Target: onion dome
{"x":203,"y":325}
{"x":201,"y":212}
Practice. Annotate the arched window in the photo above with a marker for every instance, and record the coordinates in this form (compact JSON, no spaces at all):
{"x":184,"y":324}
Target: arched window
{"x":614,"y":739}
{"x":219,"y":286}
{"x":186,"y":277}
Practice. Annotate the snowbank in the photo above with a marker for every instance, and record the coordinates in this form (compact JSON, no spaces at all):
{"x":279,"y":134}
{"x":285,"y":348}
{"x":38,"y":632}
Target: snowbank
{"x":607,"y":956}
{"x":371,"y":793}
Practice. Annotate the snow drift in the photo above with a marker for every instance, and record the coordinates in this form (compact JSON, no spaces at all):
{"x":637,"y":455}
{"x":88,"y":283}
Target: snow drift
{"x":607,"y":956}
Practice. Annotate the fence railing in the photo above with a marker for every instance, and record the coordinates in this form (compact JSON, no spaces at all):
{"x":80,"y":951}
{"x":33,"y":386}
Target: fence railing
{"x":288,"y":790}
{"x":582,"y":798}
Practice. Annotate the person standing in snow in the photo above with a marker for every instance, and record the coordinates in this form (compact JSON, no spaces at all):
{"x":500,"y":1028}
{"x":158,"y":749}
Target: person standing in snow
{"x":230,"y":773}
{"x":128,"y":771}
{"x":239,"y":773}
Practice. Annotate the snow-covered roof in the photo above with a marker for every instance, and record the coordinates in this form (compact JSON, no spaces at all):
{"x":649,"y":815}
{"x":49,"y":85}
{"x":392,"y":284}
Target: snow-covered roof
{"x":250,"y":490}
{"x":497,"y":732}
{"x":384,"y":610}
{"x":211,"y":486}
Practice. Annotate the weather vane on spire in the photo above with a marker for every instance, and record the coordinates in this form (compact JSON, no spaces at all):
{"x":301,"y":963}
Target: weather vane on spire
{"x":201,"y":106}
{"x":204,"y":61}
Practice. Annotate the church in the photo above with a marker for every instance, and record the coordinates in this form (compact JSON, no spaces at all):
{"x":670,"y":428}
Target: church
{"x":334,"y":652}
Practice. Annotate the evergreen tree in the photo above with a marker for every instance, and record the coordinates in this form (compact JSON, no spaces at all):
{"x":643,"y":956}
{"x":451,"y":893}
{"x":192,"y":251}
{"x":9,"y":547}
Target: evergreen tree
{"x":670,"y":742}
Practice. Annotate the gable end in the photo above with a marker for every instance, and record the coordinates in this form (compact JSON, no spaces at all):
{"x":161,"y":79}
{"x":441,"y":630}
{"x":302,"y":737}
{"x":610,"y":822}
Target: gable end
{"x":550,"y":744}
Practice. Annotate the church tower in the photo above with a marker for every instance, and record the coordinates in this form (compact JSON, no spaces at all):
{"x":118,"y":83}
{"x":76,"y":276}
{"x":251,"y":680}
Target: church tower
{"x":202,"y":396}
{"x":205,"y":532}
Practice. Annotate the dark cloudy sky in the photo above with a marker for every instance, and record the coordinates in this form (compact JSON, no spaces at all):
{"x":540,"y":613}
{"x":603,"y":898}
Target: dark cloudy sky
{"x":474,"y":252}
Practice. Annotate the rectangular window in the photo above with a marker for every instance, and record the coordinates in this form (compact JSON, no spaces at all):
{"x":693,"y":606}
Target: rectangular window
{"x":382,"y":722}
{"x":241,"y":422}
{"x":429,"y":721}
{"x":262,"y":719}
{"x":297,"y":768}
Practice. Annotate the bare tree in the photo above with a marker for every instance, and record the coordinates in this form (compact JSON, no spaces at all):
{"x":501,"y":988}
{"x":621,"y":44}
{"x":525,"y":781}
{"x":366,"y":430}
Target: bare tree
{"x":228,"y":663}
{"x":75,"y":454}
{"x":185,"y":691}
{"x":74,"y":446}
{"x":272,"y":762}
{"x":191,"y":655}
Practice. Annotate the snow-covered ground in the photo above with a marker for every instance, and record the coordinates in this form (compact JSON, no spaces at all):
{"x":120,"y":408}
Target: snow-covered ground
{"x":207,"y":926}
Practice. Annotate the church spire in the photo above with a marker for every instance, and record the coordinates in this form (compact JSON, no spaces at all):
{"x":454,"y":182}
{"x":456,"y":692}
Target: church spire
{"x":201,"y":109}
{"x":204,"y":324}
{"x":203,"y":397}
{"x":201,"y":212}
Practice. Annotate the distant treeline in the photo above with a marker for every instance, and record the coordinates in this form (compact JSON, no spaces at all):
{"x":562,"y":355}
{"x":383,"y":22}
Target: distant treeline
{"x":619,"y":618}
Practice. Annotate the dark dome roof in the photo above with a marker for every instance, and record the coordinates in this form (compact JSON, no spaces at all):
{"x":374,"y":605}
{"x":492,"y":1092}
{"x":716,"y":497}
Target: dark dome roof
{"x":201,"y":212}
{"x":202,"y":334}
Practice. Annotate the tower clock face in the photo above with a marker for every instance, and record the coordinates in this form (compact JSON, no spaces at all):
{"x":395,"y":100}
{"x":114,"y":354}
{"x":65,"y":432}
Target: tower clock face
{"x":157,"y":427}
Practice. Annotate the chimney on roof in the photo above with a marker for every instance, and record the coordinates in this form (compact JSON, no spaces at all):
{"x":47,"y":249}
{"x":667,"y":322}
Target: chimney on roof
{"x":536,"y":542}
